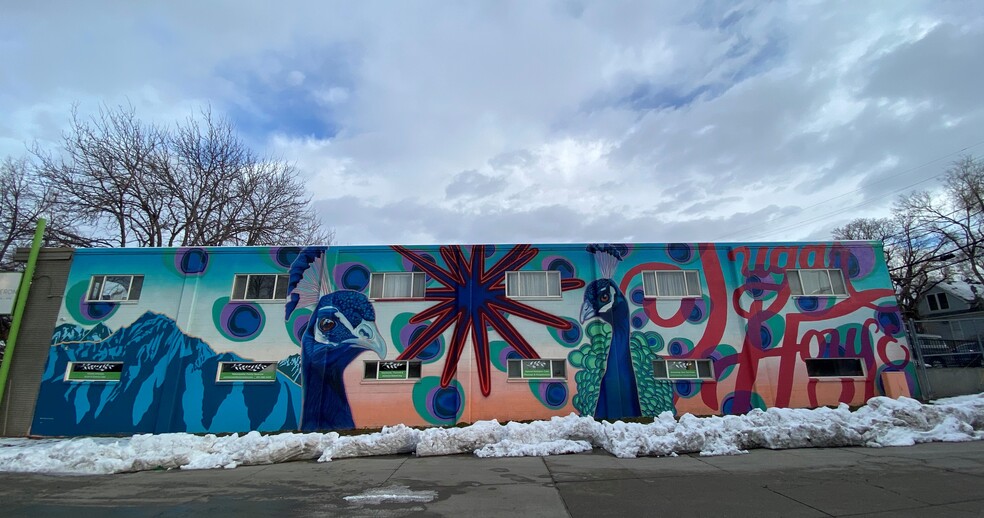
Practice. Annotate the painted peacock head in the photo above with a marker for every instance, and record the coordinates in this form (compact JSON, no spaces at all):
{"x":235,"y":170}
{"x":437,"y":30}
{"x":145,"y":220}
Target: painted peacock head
{"x":343,"y":321}
{"x":600,"y":298}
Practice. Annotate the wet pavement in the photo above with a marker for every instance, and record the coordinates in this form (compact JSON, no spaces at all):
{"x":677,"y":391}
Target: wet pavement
{"x":924,"y":480}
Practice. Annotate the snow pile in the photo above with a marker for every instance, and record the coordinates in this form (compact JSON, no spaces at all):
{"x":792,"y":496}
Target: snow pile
{"x":882,"y":422}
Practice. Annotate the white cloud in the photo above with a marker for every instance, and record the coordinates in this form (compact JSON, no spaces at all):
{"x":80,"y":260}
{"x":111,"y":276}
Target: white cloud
{"x":552,"y":121}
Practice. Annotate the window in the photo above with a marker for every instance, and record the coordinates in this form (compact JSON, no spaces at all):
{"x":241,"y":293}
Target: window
{"x":671,"y":283}
{"x":260,"y":287}
{"x":392,"y":370}
{"x":816,"y":282}
{"x":683,"y":369}
{"x":544,"y":284}
{"x":834,"y":367}
{"x":396,"y":285}
{"x":537,"y":369}
{"x":114,"y":288}
{"x":937,"y":301}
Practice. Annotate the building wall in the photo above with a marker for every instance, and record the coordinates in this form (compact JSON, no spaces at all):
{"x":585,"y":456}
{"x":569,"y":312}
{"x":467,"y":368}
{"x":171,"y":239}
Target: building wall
{"x":745,"y":320}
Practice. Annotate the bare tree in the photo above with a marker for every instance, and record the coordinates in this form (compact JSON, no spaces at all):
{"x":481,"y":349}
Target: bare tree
{"x":197,"y":184}
{"x":955,"y":216}
{"x":25,"y":198}
{"x":911,"y":254}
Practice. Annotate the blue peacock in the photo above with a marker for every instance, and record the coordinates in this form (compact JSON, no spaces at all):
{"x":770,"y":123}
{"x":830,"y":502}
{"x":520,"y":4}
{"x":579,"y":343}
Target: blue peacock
{"x":342,"y":326}
{"x":618,"y":395}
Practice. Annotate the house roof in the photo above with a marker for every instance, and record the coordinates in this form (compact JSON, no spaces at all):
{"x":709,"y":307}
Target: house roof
{"x":968,"y":291}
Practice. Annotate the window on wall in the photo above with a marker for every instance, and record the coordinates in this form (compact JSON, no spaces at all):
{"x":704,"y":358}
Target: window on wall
{"x":260,"y":287}
{"x":834,"y":367}
{"x":392,"y":370}
{"x":937,"y":301}
{"x":537,"y":369}
{"x":816,"y":282}
{"x":114,"y":288}
{"x":671,"y":283}
{"x":543,"y":284}
{"x":396,"y":285}
{"x":683,"y":369}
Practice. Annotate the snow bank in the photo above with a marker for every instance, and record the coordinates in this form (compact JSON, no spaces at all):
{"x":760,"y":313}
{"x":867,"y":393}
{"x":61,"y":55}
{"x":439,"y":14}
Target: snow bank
{"x":882,"y":422}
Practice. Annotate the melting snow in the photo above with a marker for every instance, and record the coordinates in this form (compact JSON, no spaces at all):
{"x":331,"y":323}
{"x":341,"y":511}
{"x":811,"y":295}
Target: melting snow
{"x":391,"y":494}
{"x":882,"y":422}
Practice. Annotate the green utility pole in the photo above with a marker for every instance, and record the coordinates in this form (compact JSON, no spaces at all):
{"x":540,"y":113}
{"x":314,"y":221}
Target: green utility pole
{"x":19,"y":303}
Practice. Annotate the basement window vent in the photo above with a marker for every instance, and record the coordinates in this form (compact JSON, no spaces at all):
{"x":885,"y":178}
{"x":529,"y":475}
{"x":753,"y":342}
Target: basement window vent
{"x":834,"y":367}
{"x":392,"y":370}
{"x":537,"y":369}
{"x":683,"y":369}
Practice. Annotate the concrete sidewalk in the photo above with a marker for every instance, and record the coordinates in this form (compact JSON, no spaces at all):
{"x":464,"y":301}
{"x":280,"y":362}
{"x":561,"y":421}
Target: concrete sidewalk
{"x":924,"y":480}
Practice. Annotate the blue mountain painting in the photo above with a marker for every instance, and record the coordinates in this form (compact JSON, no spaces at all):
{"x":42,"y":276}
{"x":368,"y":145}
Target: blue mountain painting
{"x":167,"y":385}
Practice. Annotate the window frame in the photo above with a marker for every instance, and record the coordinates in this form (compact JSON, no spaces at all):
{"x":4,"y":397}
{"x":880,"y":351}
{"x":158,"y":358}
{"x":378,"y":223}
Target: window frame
{"x":860,"y":362}
{"x":940,"y":300}
{"x":696,"y":362}
{"x":276,"y":287}
{"x":413,"y":284}
{"x":129,"y":288}
{"x":553,"y":362}
{"x":827,"y":271}
{"x":655,"y":273}
{"x":550,"y":275}
{"x":407,"y":371}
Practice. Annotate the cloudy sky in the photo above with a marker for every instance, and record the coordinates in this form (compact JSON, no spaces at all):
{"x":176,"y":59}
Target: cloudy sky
{"x":535,"y":121}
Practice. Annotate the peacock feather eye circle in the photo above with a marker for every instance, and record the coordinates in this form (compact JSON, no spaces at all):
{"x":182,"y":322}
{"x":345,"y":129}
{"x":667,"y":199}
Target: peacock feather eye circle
{"x":326,"y":325}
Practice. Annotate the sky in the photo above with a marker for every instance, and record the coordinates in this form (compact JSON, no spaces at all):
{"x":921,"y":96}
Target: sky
{"x":539,"y":121}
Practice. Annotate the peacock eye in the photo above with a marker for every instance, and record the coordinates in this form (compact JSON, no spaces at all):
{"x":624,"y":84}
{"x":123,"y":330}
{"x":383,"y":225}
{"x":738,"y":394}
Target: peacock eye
{"x":604,"y":297}
{"x":326,"y":325}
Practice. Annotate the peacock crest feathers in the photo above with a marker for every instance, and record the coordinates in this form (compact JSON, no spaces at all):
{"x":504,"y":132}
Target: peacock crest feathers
{"x":608,"y":256}
{"x":309,"y":279}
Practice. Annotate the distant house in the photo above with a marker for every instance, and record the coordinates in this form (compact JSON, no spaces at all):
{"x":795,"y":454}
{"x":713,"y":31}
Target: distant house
{"x":954,"y":299}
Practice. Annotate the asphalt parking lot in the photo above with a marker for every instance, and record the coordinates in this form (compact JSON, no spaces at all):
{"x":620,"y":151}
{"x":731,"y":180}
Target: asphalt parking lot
{"x":939,"y":479}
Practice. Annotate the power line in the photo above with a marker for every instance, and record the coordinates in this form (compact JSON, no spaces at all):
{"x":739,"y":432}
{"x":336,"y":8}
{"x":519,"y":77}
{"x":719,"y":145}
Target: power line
{"x":859,"y":189}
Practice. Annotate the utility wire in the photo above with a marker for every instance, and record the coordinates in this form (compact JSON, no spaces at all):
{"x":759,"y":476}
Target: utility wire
{"x":739,"y":231}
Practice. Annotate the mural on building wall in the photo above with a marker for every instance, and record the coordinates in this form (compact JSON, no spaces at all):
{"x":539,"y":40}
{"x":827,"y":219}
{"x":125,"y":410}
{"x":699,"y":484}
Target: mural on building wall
{"x":472,"y":297}
{"x":746,"y":320}
{"x":341,"y":327}
{"x":616,"y":377}
{"x":168,"y":382}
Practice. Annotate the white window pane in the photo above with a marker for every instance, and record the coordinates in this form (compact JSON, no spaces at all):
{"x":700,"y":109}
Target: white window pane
{"x":532,"y":284}
{"x":396,"y":285}
{"x":96,"y":289}
{"x":670,"y":284}
{"x":281,"y":292}
{"x":418,"y":285}
{"x":553,"y":284}
{"x":115,"y":287}
{"x":837,"y":282}
{"x":794,"y":282}
{"x":693,"y":283}
{"x":239,"y":287}
{"x":376,"y":286}
{"x":261,"y":287}
{"x":512,"y":285}
{"x":649,"y":283}
{"x":136,"y":286}
{"x":515,"y":369}
{"x":815,"y":282}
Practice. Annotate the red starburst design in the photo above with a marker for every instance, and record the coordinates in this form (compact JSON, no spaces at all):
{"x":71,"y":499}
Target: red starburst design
{"x":472,"y":299}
